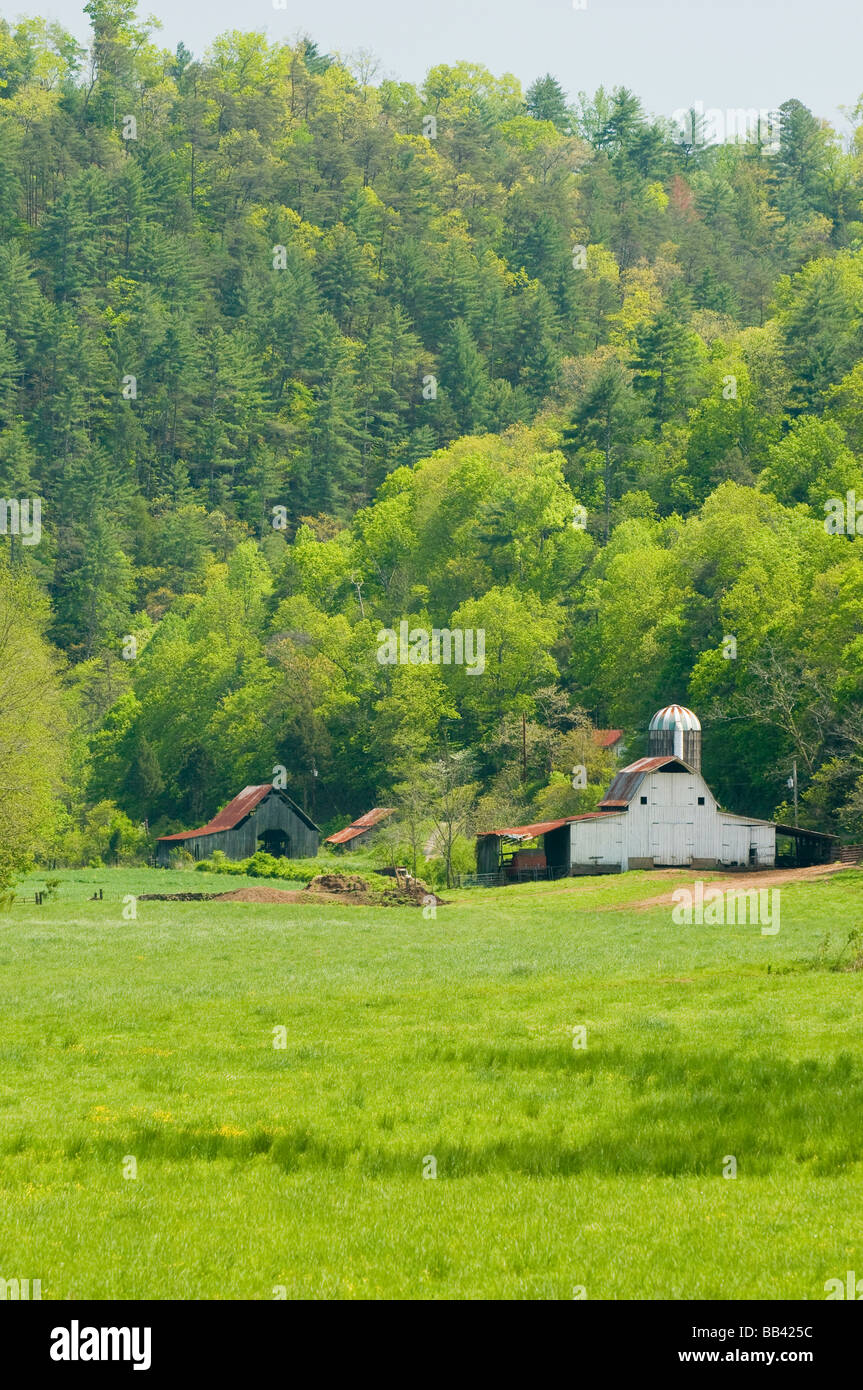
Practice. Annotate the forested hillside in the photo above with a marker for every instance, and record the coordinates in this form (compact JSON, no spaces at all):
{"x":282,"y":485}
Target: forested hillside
{"x":291,"y":353}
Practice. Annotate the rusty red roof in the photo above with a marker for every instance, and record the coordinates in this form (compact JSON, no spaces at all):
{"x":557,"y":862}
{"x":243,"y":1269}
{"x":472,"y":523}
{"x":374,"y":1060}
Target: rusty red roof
{"x":606,"y":738}
{"x":360,"y":825}
{"x":230,"y":816}
{"x":527,"y":832}
{"x":530,"y":832}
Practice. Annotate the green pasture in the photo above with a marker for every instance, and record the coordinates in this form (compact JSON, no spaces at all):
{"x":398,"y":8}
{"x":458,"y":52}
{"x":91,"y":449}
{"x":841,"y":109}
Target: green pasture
{"x":415,"y":1044}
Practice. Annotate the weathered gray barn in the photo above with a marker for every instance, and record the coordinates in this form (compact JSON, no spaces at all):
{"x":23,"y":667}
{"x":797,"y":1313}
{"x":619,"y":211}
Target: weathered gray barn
{"x":262,"y":817}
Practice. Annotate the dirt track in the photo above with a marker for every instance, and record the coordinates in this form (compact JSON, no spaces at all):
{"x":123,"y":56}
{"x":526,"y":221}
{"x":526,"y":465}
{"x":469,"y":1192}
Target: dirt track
{"x":765,"y":879}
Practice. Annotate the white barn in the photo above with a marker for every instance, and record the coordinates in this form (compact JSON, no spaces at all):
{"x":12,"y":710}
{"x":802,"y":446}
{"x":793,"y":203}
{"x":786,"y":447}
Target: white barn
{"x":658,"y":812}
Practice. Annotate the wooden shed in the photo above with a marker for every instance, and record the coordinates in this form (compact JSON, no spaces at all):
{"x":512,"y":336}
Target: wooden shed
{"x":358,"y":834}
{"x":262,"y":817}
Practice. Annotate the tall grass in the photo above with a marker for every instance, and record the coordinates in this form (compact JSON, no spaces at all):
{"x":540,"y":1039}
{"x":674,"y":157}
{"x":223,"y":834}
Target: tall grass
{"x":408,"y":1039}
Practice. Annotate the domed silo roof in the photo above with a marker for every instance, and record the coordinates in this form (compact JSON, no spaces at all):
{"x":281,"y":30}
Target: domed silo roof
{"x":675,"y":717}
{"x":676,"y":731}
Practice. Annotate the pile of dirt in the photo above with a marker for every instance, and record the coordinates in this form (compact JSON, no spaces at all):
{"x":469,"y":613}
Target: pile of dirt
{"x":345,"y":889}
{"x":420,"y":893}
{"x":262,"y":893}
{"x":338,"y":883}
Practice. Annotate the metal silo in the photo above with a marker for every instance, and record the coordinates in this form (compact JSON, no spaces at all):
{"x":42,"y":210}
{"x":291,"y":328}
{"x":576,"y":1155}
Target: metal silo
{"x":675,"y":732}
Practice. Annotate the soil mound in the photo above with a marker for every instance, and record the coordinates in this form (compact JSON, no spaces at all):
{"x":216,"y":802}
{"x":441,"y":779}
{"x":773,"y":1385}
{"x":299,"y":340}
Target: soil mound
{"x":338,"y":883}
{"x":346,"y":889}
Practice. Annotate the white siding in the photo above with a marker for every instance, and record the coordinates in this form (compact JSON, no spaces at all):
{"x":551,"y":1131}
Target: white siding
{"x":603,"y":840}
{"x":739,"y":836}
{"x":672,"y":829}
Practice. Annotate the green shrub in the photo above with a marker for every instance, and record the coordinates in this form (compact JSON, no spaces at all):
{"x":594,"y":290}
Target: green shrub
{"x":262,"y":865}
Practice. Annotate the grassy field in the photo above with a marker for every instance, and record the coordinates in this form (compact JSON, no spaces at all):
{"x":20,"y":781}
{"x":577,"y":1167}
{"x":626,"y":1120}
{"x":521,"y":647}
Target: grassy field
{"x":263,"y":1169}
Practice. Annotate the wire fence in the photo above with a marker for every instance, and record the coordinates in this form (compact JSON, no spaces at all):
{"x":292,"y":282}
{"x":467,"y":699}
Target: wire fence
{"x":40,"y":897}
{"x":508,"y":875}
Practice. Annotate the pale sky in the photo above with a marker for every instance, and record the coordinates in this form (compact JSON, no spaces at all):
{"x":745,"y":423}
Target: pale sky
{"x":673,"y":53}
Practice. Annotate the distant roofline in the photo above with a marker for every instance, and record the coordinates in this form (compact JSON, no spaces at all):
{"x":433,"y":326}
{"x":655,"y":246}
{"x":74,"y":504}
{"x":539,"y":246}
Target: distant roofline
{"x":802,"y":830}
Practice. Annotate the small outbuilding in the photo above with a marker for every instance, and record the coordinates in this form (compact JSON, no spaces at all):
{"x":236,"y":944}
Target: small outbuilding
{"x":610,"y":741}
{"x":359,"y":833}
{"x":261,"y":818}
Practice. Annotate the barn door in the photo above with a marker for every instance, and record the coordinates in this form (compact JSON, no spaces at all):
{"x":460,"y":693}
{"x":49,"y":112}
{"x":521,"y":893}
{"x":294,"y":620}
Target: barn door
{"x":671,"y":804}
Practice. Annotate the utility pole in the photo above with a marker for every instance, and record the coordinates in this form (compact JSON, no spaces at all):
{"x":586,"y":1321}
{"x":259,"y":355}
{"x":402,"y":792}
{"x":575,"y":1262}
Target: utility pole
{"x":524,"y":748}
{"x":792,"y":782}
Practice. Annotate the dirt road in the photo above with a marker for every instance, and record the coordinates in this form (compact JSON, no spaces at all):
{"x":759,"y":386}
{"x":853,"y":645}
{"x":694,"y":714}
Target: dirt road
{"x":765,"y":879}
{"x":739,"y":882}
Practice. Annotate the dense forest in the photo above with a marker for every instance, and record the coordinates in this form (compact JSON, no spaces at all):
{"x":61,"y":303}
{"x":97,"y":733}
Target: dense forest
{"x":291,"y":354}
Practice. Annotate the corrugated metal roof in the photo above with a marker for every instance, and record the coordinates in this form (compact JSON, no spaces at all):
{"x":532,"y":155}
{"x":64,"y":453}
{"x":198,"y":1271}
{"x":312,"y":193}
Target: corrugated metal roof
{"x":360,"y":826}
{"x":745,"y":820}
{"x":606,"y":738}
{"x":629,"y":779}
{"x":341,"y":837}
{"x":675,"y":717}
{"x":803,"y":832}
{"x":652,"y":764}
{"x":230,"y":816}
{"x":530,"y":832}
{"x":372,"y":817}
{"x":527,"y":832}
